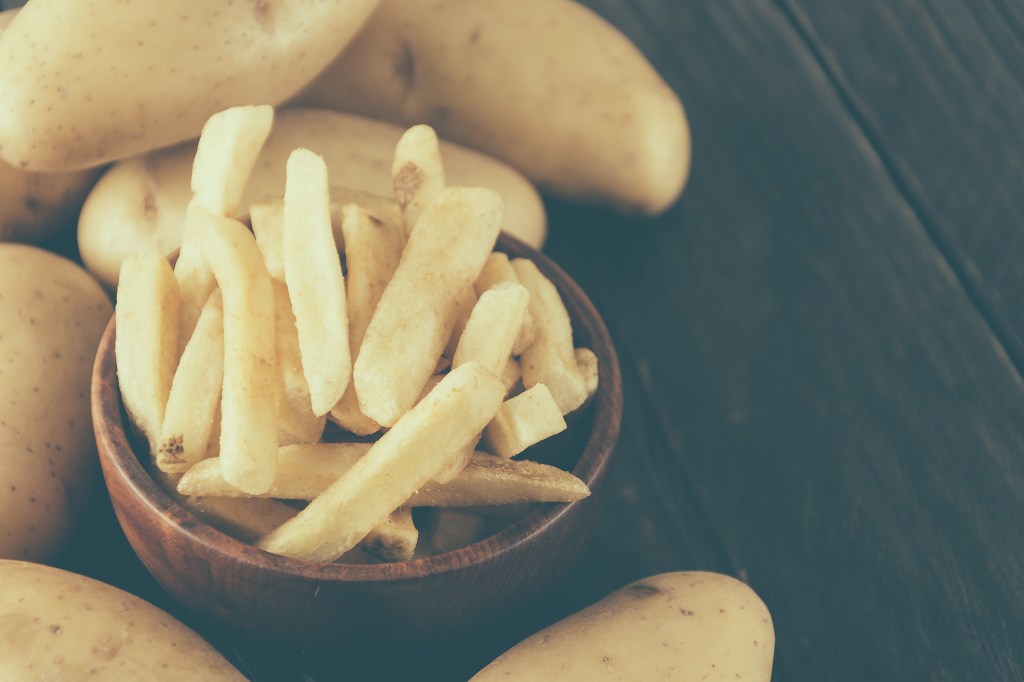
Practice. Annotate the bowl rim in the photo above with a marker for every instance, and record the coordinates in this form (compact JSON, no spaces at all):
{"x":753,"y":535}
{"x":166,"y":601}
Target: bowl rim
{"x":114,"y":449}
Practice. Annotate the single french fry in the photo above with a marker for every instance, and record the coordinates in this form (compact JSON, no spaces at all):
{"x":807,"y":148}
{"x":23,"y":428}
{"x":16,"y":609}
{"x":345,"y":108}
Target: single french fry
{"x":550,"y":359}
{"x":195,"y":278}
{"x":296,"y":422}
{"x":229,"y":144}
{"x":586,"y":360}
{"x":498,"y":270}
{"x":465,"y":302}
{"x":306,"y":471}
{"x":416,"y":313}
{"x":416,"y":173}
{"x":248,"y":441}
{"x":395,"y":539}
{"x":457,"y":463}
{"x":524,"y":420}
{"x":405,"y":458}
{"x":452,"y":529}
{"x":303,"y":472}
{"x":492,"y":328}
{"x":268,"y":227}
{"x":146,"y":345}
{"x":316,"y":285}
{"x":373,"y":251}
{"x":195,"y":393}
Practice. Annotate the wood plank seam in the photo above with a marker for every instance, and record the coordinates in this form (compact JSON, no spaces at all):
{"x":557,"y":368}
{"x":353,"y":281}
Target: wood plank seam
{"x":984,"y":306}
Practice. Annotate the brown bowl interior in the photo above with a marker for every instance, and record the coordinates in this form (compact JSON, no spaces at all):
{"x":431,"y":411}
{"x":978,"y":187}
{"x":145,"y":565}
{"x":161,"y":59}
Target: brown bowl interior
{"x":288,"y":601}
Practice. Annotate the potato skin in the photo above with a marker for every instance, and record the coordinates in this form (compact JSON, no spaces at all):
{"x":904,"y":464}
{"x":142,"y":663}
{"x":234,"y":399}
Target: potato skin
{"x":140,"y":202}
{"x":547,"y":86}
{"x":678,"y":626}
{"x":90,"y":81}
{"x":37,"y":206}
{"x":52,"y":314}
{"x":56,"y":625}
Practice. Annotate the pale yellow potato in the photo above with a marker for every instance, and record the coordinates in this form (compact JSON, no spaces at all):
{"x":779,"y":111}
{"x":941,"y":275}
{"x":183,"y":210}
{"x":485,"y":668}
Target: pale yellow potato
{"x":412,"y":452}
{"x":316,"y":285}
{"x":691,"y":627}
{"x":551,"y":358}
{"x":522,"y":421}
{"x":88,"y":83}
{"x":146,"y":345}
{"x":546,"y":85}
{"x":228,"y":147}
{"x":52,"y":314}
{"x":140,"y":203}
{"x":195,"y":393}
{"x":418,"y":309}
{"x":56,"y":625}
{"x":248,"y":436}
{"x":37,"y":206}
{"x":306,"y":471}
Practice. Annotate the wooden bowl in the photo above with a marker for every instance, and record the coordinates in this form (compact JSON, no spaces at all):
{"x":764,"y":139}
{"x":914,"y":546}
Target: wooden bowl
{"x":429,"y":601}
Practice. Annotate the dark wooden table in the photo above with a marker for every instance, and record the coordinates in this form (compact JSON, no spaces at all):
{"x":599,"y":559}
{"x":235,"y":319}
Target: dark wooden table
{"x":821,"y":343}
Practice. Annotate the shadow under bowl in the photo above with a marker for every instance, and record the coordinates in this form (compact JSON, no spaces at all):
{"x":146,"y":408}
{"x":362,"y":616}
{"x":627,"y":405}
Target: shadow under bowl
{"x":303,"y":606}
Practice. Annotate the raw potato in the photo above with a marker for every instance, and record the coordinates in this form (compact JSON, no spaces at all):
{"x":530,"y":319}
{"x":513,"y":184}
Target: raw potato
{"x":547,"y":86}
{"x":689,"y":627}
{"x":52,"y":314}
{"x":85,"y":83}
{"x":140,"y":203}
{"x":56,"y":625}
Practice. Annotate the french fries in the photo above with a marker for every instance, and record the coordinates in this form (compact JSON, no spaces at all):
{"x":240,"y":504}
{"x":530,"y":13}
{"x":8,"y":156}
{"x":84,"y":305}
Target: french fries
{"x":524,"y":420}
{"x":237,"y":426}
{"x":416,"y":313}
{"x":305,"y":471}
{"x":416,"y":448}
{"x":248,"y":440}
{"x":195,"y":393}
{"x":373,"y":251}
{"x":550,"y":359}
{"x":146,"y":345}
{"x":316,"y":285}
{"x":417,"y":173}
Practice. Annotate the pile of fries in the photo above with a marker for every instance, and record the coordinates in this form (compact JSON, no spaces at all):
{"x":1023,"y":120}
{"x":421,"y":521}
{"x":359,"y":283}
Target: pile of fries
{"x":390,"y":317}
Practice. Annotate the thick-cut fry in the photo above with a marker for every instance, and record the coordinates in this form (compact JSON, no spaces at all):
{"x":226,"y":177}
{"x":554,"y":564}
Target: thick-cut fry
{"x":316,"y":285}
{"x":418,"y":446}
{"x":452,"y":529}
{"x":195,"y":393}
{"x":417,"y":311}
{"x":146,"y":345}
{"x":522,"y":421}
{"x":305,"y":471}
{"x":228,"y":147}
{"x":586,"y":360}
{"x":268,"y":227}
{"x":248,"y":442}
{"x":395,"y":539}
{"x":498,"y":270}
{"x":373,"y":251}
{"x":416,"y":173}
{"x":550,"y":359}
{"x":466,"y":301}
{"x":492,"y":328}
{"x":296,"y":422}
